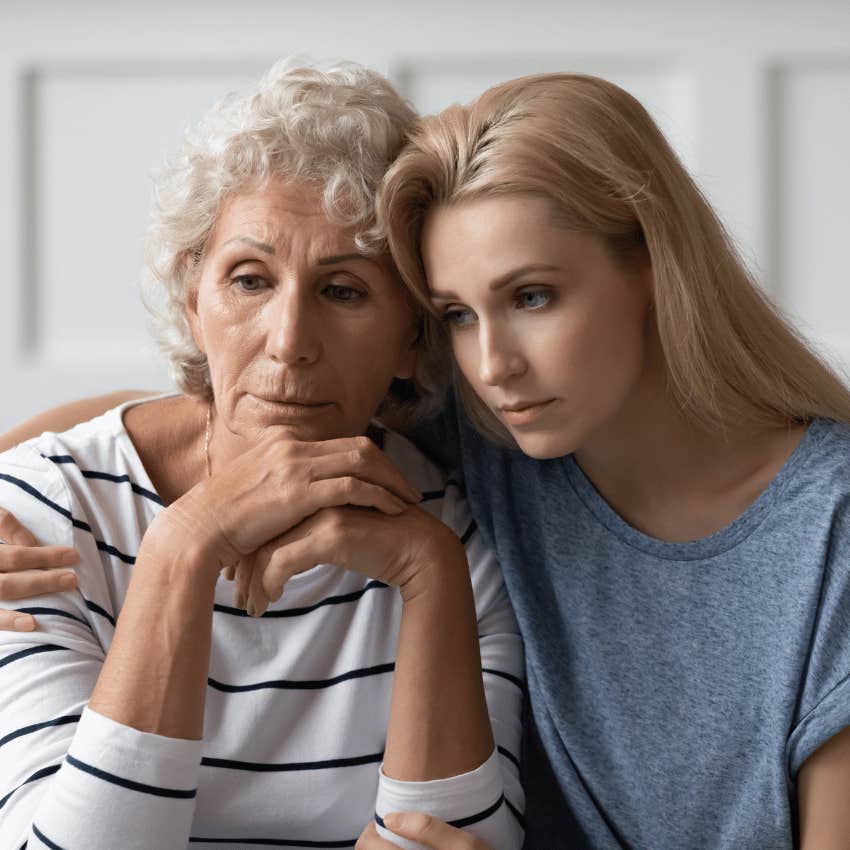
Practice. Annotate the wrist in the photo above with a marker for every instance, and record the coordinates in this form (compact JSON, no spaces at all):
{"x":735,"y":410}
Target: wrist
{"x":174,"y":541}
{"x":439,"y":570}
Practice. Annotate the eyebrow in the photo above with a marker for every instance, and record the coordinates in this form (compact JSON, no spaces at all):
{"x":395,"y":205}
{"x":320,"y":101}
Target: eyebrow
{"x":503,"y":280}
{"x":341,"y":258}
{"x":255,"y":243}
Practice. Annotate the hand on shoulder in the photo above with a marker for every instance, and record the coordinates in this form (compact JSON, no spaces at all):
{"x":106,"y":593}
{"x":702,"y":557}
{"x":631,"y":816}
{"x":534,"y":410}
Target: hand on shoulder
{"x":27,"y":569}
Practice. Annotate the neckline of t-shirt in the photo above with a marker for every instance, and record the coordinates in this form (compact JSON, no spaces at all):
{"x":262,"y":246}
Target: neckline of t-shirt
{"x":116,"y":416}
{"x":714,"y":544}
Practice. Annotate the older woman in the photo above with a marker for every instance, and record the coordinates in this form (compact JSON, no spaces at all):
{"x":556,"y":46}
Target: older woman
{"x":359,"y":691}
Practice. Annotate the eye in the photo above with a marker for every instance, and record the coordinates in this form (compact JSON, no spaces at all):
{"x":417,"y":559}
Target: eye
{"x":342,"y":292}
{"x":458,"y":317}
{"x":250,"y":282}
{"x":532,"y":299}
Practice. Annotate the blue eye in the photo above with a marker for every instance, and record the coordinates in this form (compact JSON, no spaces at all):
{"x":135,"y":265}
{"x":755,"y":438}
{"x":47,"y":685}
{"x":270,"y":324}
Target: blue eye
{"x":532,"y":299}
{"x":458,"y":317}
{"x":341,"y":292}
{"x":249,"y":282}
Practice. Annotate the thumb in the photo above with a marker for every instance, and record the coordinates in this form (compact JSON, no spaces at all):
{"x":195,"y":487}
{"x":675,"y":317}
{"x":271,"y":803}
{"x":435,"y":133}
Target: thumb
{"x":12,"y":531}
{"x":431,"y":832}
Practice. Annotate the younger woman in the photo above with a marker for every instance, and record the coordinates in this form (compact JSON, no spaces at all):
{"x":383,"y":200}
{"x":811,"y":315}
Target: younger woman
{"x":669,"y":501}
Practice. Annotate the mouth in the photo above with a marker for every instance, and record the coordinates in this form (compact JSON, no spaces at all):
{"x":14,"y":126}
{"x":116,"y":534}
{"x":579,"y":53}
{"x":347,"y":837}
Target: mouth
{"x":524,"y":412}
{"x":294,"y":405}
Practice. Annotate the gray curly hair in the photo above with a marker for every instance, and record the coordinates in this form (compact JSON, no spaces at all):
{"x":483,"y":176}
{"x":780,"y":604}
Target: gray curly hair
{"x":339,"y":129}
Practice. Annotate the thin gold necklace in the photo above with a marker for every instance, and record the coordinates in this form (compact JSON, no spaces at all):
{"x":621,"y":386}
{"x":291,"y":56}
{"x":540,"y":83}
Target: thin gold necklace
{"x":207,"y":433}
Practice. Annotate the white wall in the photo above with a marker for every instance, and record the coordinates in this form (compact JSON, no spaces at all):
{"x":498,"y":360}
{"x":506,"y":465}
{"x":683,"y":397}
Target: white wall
{"x":94,"y":95}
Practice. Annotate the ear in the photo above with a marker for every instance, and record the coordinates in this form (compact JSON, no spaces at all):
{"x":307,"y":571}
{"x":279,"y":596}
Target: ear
{"x":192,"y":317}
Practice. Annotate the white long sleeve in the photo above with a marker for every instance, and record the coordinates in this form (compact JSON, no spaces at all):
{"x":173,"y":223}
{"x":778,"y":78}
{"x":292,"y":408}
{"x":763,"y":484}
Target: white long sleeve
{"x":297,"y":701}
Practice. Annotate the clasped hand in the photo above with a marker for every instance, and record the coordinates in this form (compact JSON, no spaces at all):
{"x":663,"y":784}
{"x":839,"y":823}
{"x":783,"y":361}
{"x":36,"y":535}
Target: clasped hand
{"x":284,"y":506}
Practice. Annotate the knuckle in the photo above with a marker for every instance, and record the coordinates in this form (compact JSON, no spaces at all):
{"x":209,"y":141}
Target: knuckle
{"x":284,"y":449}
{"x":276,"y":562}
{"x":363,"y":446}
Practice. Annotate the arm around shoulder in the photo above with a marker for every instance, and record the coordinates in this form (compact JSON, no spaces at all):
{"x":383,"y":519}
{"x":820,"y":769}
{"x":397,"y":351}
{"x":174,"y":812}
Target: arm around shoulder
{"x":65,"y":416}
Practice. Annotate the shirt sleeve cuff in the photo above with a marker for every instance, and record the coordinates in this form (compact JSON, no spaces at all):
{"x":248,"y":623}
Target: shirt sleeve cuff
{"x":831,"y":716}
{"x":462,"y":800}
{"x":105,"y":745}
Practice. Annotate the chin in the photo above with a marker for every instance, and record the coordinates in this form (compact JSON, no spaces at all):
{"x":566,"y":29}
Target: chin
{"x":544,"y":445}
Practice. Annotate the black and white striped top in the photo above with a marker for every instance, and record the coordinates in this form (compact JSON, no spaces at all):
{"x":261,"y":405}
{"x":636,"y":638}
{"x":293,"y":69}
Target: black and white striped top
{"x":297,"y":701}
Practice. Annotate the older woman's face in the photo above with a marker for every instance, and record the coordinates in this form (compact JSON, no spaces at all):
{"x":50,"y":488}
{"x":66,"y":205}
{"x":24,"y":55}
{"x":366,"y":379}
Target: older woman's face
{"x":301,"y":330}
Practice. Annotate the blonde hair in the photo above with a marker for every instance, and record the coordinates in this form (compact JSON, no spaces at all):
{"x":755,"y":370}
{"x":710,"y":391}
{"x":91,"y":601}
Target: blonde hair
{"x":338,"y":129}
{"x":596,"y":154}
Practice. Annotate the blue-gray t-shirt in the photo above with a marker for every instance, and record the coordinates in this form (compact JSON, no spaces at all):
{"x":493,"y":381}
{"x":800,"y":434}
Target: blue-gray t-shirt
{"x":674,"y":689}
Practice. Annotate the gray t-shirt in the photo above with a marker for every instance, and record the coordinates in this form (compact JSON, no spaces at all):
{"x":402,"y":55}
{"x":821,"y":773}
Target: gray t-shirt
{"x":675,"y":689}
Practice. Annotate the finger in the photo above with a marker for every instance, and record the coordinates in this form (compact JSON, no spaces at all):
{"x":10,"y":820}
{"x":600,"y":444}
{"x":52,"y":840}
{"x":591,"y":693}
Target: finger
{"x":258,"y":602}
{"x":432,"y":832}
{"x":25,"y":557}
{"x":370,"y":840}
{"x":229,"y":572}
{"x":15,"y":621}
{"x":36,"y":583}
{"x":368,"y":463}
{"x":13,"y":532}
{"x":336,"y":492}
{"x":295,"y":556}
{"x":243,"y":580}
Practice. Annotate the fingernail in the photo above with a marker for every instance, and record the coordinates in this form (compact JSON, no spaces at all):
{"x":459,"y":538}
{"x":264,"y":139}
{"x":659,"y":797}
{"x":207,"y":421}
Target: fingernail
{"x":393,"y":821}
{"x":23,"y":624}
{"x":240,"y":601}
{"x":250,"y":608}
{"x":70,"y":558}
{"x":68,"y":581}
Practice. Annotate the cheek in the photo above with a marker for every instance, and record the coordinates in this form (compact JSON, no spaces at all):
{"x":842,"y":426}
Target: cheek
{"x":231,"y":340}
{"x":607,"y":353}
{"x":465,"y":352}
{"x":365,"y":363}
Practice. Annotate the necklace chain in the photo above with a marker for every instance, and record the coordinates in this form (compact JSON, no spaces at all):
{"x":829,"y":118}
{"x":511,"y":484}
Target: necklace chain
{"x":207,"y":433}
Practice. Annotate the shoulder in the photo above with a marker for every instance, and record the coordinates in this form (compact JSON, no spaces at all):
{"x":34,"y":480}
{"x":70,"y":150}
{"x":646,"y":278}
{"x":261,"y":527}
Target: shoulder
{"x":96,"y":443}
{"x":821,"y":466}
{"x":35,"y":491}
{"x":56,"y":478}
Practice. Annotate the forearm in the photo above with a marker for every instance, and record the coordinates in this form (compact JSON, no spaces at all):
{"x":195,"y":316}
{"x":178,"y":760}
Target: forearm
{"x":439,"y":726}
{"x":66,"y":416}
{"x":822,"y":787}
{"x":155,"y":674}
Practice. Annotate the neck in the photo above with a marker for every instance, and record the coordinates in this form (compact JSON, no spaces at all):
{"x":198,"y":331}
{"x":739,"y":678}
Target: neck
{"x":169,"y":436}
{"x":669,"y":477}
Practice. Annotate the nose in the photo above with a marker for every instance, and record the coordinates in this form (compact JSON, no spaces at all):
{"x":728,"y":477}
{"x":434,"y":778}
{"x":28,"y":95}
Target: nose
{"x":500,"y":356}
{"x":292,"y":332}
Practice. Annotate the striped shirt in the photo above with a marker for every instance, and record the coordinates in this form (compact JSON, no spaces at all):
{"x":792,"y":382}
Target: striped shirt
{"x":297,"y":701}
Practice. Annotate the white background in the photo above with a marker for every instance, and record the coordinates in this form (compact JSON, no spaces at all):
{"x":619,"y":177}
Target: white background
{"x":94,"y":95}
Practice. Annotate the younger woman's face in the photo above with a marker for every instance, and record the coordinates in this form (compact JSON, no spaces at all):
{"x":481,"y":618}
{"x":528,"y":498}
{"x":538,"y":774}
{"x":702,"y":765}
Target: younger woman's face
{"x":547,"y":327}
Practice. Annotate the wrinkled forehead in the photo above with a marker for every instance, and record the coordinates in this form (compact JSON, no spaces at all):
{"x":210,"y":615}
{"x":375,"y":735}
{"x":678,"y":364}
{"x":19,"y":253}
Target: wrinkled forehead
{"x":285,"y":216}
